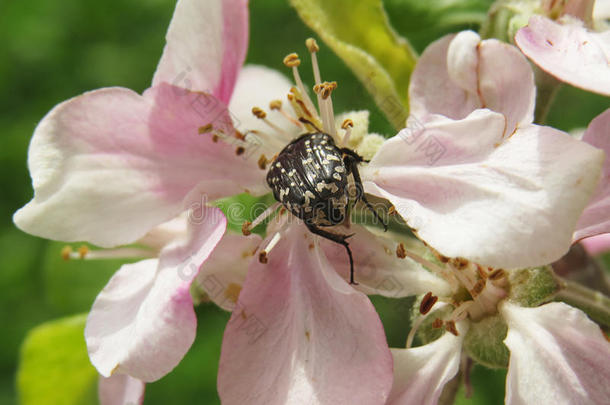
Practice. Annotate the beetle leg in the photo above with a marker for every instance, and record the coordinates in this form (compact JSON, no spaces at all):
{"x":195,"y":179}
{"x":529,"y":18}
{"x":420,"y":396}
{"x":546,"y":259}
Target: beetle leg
{"x":351,"y":160}
{"x":340,"y":239}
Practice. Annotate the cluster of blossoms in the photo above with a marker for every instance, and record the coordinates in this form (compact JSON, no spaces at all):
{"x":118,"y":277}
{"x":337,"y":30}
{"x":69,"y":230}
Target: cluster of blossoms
{"x":500,"y":200}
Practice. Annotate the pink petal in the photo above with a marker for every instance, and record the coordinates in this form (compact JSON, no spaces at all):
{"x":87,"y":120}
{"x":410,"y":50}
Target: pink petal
{"x":598,"y":244}
{"x":433,"y":91}
{"x":300,"y":334}
{"x":109,"y":165}
{"x":460,"y":73}
{"x":206,"y":46}
{"x":377,"y":269}
{"x":142,"y":323}
{"x":120,"y":389}
{"x":569,"y":52}
{"x":420,"y":373}
{"x":469,"y":193}
{"x":557,"y":356}
{"x":224,"y":272}
{"x":596,"y":217}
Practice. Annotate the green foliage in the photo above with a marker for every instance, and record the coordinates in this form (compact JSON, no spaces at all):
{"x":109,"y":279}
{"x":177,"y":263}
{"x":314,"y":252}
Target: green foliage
{"x":54,"y":366}
{"x":533,"y":287}
{"x":359,"y":32}
{"x":484,"y":342}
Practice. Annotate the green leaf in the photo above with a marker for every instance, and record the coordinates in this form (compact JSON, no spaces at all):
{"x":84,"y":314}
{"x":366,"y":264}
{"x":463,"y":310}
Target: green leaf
{"x":54,"y":368}
{"x":360,"y":33}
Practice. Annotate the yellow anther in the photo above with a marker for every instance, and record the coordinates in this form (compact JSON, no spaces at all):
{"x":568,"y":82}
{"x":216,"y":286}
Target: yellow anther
{"x":292,"y":60}
{"x":262,"y":162}
{"x":205,"y":129}
{"x":82,"y":251}
{"x":259,"y":113}
{"x":401,"y":252}
{"x":232,"y":292}
{"x":245,"y":228}
{"x":275,"y":105}
{"x":65,"y":252}
{"x":347,"y":123}
{"x":312,"y":45}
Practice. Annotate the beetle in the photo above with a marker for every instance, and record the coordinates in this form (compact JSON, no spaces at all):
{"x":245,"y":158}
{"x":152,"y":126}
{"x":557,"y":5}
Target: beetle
{"x":310,"y":178}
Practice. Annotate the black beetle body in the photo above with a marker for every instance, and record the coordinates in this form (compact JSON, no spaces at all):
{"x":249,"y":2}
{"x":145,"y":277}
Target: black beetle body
{"x":309,"y":177}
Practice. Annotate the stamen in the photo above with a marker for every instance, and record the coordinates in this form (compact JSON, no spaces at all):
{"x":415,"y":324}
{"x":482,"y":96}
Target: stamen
{"x":427,"y":303}
{"x":424,"y":308}
{"x":347,"y":125}
{"x":248,"y":226}
{"x":313,"y":48}
{"x":300,"y":108}
{"x":262,"y":162}
{"x":262,"y":115}
{"x":205,"y":129}
{"x":276,"y":105}
{"x":461,"y":312}
{"x":85,"y":253}
{"x":450,"y":327}
{"x":292,"y":60}
{"x":262,"y":256}
{"x":426,"y":263}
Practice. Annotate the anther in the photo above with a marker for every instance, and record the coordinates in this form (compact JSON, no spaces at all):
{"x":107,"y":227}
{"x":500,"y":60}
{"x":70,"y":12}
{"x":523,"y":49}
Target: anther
{"x":450,"y":327}
{"x":66,"y":251}
{"x":392,"y":210}
{"x":275,"y":105}
{"x":401,"y":252}
{"x":259,"y":113}
{"x":262,"y":162}
{"x":498,"y":278}
{"x":205,"y":129}
{"x":347,"y":123}
{"x":312,"y":45}
{"x":292,"y":60}
{"x":427,"y":303}
{"x":82,"y":251}
{"x":262,"y":257}
{"x":245,"y":228}
{"x":239,"y":150}
{"x":477,"y":288}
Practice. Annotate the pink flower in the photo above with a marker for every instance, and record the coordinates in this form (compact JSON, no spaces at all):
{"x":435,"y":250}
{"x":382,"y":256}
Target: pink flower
{"x":569,"y":49}
{"x":111,"y":167}
{"x":471,"y":174}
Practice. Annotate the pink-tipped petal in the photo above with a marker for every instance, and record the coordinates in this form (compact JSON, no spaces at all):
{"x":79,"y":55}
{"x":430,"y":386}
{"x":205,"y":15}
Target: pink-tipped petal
{"x":142,"y":323}
{"x":420,"y":373}
{"x":460,"y":73}
{"x":557,"y":356}
{"x":301,"y":335}
{"x":120,"y":389}
{"x":568,"y":52}
{"x":206,"y":46}
{"x":109,"y":165}
{"x":223,"y":273}
{"x":469,"y":193}
{"x":377,"y":269}
{"x":596,"y":217}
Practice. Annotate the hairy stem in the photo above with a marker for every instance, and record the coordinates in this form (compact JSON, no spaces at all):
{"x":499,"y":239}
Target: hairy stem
{"x":593,"y":303}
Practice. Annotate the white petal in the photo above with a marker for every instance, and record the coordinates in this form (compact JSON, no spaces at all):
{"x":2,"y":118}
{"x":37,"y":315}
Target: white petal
{"x":421,"y":373}
{"x":377,"y":270}
{"x":470,"y":193}
{"x":143,"y":322}
{"x":557,"y":356}
{"x":120,"y":389}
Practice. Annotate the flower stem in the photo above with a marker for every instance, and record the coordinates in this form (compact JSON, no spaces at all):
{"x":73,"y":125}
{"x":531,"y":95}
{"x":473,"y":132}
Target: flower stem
{"x":546,"y":90}
{"x":593,"y":303}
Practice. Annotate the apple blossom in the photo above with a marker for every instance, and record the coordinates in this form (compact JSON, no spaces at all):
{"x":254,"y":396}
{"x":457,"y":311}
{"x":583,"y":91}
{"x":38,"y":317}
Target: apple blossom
{"x":484,"y":182}
{"x":568,"y":46}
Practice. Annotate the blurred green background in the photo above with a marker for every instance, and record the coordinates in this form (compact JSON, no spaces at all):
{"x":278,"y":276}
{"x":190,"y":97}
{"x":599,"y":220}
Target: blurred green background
{"x":52,"y":51}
